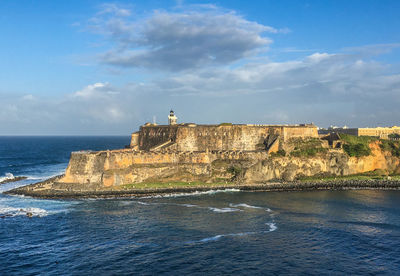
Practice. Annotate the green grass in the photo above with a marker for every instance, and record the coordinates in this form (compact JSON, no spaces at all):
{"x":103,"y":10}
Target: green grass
{"x":357,"y":146}
{"x":172,"y":185}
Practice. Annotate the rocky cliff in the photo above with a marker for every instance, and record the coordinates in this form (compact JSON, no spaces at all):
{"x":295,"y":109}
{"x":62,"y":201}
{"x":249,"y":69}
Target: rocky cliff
{"x":121,"y":167}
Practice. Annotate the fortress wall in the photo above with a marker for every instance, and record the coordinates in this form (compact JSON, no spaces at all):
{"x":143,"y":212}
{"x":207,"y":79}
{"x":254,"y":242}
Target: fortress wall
{"x":216,"y":137}
{"x":135,"y":140}
{"x":151,"y":136}
{"x":235,"y":137}
{"x":299,"y":132}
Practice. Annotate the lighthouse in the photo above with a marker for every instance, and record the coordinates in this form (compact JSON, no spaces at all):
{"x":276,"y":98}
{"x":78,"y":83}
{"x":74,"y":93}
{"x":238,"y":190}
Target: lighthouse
{"x":172,"y":118}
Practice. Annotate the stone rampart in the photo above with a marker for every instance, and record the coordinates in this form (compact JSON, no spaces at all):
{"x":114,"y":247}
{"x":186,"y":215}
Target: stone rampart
{"x":218,"y":137}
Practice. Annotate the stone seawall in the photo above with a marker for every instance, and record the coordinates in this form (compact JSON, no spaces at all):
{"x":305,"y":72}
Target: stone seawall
{"x":68,"y":191}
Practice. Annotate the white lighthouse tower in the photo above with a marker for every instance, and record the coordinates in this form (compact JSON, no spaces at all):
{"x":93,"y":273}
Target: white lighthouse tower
{"x":172,"y":118}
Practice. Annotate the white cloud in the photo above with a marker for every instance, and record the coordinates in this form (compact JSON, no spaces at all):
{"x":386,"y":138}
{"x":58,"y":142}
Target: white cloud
{"x":95,"y":90}
{"x":318,"y":57}
{"x":28,"y":97}
{"x":180,"y":40}
{"x":113,"y":9}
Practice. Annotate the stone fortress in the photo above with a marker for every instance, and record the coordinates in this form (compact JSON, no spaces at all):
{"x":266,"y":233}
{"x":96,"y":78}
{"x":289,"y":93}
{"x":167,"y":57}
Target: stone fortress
{"x":189,"y":137}
{"x":182,"y":152}
{"x":222,"y":154}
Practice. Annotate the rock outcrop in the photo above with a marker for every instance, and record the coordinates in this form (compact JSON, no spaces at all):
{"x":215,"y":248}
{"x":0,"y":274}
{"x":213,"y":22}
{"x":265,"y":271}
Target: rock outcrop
{"x":120,"y":167}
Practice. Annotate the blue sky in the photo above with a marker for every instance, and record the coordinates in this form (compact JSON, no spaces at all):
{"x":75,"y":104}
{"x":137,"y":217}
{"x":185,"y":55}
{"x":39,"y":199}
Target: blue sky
{"x":95,"y":67}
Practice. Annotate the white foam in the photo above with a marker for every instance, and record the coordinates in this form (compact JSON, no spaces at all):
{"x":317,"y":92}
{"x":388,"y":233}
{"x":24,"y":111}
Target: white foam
{"x":244,"y":205}
{"x":12,"y":212}
{"x":224,"y":210}
{"x":7,"y":176}
{"x":217,"y":237}
{"x":190,"y":205}
{"x":272,"y":226}
{"x":142,"y":203}
{"x":196,"y":193}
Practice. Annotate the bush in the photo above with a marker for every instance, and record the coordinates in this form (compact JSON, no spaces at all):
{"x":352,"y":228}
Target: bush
{"x":235,"y":171}
{"x":357,"y":150}
{"x":357,"y":146}
{"x":308,"y":152}
{"x":391,"y":146}
{"x":281,"y":152}
{"x":394,"y":136}
{"x":306,"y":147}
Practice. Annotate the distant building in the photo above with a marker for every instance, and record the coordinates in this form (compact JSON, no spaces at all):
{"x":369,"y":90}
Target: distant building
{"x":380,"y":132}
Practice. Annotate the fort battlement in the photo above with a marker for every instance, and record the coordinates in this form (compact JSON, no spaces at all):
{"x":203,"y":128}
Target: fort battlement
{"x":223,"y":137}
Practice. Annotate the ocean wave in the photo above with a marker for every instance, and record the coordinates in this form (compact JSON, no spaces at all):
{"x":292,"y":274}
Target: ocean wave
{"x":190,"y":205}
{"x":224,"y":210}
{"x":272,"y":226}
{"x":244,"y":205}
{"x":220,"y":236}
{"x":142,"y":203}
{"x":29,"y":212}
{"x":7,"y":176}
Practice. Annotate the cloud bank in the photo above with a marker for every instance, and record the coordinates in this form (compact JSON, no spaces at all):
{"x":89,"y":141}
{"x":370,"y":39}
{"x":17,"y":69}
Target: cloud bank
{"x":176,"y":41}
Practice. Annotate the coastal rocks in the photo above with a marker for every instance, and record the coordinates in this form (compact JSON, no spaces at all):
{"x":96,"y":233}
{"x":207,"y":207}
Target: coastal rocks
{"x":9,"y":177}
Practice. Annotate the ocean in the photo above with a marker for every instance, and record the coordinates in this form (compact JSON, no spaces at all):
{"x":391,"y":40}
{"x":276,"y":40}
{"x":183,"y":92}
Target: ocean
{"x":216,"y":233}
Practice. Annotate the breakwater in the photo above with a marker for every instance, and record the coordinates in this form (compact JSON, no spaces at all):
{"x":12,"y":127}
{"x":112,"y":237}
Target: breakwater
{"x":34,"y":191}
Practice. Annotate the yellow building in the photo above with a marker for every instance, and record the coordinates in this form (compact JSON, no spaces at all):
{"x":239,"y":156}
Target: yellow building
{"x":381,"y":132}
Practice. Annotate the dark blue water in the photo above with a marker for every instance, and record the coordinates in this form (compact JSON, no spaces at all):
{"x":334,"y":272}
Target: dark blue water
{"x":217,"y":233}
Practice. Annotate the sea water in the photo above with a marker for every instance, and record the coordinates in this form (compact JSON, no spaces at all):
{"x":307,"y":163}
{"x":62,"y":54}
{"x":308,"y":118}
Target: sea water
{"x":214,"y":232}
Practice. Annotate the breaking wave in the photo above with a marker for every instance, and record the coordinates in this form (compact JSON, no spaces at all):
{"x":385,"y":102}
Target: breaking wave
{"x":224,"y":210}
{"x":272,"y":226}
{"x":30,"y":212}
{"x":196,"y":193}
{"x":244,"y":205}
{"x":7,"y":176}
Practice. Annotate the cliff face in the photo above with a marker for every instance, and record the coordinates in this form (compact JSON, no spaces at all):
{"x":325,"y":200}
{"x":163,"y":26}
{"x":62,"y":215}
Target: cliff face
{"x":119,"y":167}
{"x":334,"y":162}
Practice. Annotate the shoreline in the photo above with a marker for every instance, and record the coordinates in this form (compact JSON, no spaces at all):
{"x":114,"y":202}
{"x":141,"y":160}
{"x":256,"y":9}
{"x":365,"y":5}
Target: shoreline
{"x":371,"y":184}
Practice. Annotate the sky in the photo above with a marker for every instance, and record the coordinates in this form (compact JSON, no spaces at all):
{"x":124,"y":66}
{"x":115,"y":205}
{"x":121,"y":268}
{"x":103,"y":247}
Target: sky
{"x":105,"y":68}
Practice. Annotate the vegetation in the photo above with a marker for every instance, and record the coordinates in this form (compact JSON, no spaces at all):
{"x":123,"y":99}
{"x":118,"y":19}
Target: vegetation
{"x":357,"y":146}
{"x":235,"y":171}
{"x":391,"y":146}
{"x":225,"y":124}
{"x":307,"y":147}
{"x":394,"y":136}
{"x":280,"y":152}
